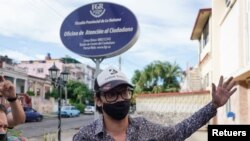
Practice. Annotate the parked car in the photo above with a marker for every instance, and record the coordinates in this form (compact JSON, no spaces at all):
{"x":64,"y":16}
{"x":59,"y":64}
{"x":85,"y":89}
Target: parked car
{"x":32,"y":114}
{"x":69,"y":111}
{"x":89,"y":110}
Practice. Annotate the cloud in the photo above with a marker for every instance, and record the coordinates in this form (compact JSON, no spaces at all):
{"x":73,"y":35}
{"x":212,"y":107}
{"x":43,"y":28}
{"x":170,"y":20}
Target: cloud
{"x":31,"y":28}
{"x":15,"y":55}
{"x":41,"y":20}
{"x":30,"y":19}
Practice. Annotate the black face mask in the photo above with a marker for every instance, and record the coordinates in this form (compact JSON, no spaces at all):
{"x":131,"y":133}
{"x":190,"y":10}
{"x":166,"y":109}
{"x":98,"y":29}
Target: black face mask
{"x":117,"y":110}
{"x":3,"y":137}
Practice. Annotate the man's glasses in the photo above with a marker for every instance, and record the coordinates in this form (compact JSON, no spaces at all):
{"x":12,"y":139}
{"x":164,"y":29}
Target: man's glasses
{"x":112,"y":95}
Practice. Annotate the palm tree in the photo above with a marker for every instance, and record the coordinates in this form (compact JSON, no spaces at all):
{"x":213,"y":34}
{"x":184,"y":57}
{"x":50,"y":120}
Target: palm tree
{"x":136,"y":81}
{"x":170,"y":77}
{"x":158,"y":77}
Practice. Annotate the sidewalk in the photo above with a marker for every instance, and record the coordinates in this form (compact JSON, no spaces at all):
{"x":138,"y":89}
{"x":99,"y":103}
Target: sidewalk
{"x":200,"y":135}
{"x":50,"y":115}
{"x":66,"y":135}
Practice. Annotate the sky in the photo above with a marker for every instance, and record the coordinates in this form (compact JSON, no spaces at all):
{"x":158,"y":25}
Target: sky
{"x":30,"y":29}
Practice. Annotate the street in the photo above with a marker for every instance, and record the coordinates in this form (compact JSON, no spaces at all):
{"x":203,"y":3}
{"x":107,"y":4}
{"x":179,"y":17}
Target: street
{"x":35,"y":131}
{"x":50,"y":125}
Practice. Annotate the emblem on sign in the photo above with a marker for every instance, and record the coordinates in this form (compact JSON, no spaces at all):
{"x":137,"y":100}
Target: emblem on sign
{"x":97,"y":10}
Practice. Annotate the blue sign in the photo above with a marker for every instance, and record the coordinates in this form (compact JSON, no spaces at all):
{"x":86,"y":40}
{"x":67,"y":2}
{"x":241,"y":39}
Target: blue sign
{"x":100,"y":30}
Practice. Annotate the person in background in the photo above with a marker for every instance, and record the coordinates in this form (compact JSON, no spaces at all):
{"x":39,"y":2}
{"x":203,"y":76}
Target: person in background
{"x":7,"y":91}
{"x":113,"y":95}
{"x":3,"y":123}
{"x":4,"y":127}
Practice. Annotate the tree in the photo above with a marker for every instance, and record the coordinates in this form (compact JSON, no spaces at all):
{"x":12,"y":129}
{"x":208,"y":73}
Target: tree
{"x":136,"y":81}
{"x":52,"y":93}
{"x":171,"y":75}
{"x":157,"y":77}
{"x":78,"y":92}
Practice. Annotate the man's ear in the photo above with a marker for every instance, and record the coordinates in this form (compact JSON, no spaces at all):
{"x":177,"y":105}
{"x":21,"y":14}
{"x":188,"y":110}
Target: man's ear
{"x":98,"y":101}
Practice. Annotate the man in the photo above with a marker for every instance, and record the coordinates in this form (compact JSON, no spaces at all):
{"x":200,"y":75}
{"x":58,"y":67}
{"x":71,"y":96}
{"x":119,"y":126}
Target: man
{"x":7,"y":91}
{"x":3,"y":123}
{"x":113,"y":94}
{"x":4,"y":127}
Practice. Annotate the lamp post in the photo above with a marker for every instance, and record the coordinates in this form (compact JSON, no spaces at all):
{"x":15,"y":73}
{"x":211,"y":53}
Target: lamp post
{"x":58,"y":82}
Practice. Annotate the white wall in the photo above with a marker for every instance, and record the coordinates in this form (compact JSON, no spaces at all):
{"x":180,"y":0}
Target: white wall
{"x":229,"y":43}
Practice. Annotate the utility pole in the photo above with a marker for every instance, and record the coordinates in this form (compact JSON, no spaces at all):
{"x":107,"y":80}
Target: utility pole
{"x":120,"y":63}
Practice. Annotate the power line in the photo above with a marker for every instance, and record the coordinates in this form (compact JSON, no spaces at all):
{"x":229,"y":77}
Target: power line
{"x":37,"y":8}
{"x":53,"y":9}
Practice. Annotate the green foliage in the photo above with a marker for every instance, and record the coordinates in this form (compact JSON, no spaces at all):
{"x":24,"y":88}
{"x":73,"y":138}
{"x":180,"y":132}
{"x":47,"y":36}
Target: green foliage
{"x":52,"y":93}
{"x":15,"y":132}
{"x":49,"y":136}
{"x":133,"y":99}
{"x":30,"y":93}
{"x":45,"y":137}
{"x":79,"y":106}
{"x":78,"y":92}
{"x":47,"y":95}
{"x":158,"y":77}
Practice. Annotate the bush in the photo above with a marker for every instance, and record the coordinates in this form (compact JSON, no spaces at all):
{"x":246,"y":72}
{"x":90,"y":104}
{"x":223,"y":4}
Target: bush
{"x":79,"y":106}
{"x":31,"y":93}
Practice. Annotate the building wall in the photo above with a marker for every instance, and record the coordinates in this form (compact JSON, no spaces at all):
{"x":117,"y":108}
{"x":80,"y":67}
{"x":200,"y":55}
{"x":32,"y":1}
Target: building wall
{"x":186,"y":102}
{"x":42,"y":105}
{"x":33,"y":67}
{"x":192,"y":81}
{"x":229,"y":59}
{"x":16,"y":75}
{"x":78,"y":72}
{"x":243,"y":101}
{"x":205,"y":67}
{"x":229,"y":46}
{"x":230,"y":56}
{"x":205,"y":60}
{"x":218,"y":10}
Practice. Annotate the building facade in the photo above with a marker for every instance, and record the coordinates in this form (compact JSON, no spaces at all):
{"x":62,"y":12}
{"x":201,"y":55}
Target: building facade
{"x":33,"y":77}
{"x":38,"y":70}
{"x":17,"y":75}
{"x":223,"y":37}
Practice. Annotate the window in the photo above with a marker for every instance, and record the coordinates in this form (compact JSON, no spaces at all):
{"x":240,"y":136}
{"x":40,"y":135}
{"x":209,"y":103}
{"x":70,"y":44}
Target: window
{"x":42,"y":61}
{"x":229,"y":112}
{"x":66,"y":68}
{"x":205,"y":34}
{"x":40,"y":70}
{"x":26,"y":69}
{"x":206,"y":80}
{"x":227,"y":2}
{"x":38,"y":91}
{"x":230,"y":3}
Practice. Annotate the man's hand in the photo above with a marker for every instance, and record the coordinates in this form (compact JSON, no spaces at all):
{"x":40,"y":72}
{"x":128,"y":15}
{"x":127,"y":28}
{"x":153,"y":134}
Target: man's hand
{"x":222,"y":93}
{"x":7,"y":89}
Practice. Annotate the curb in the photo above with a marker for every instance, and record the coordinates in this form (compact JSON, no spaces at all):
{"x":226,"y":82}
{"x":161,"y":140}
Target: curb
{"x":50,"y":116}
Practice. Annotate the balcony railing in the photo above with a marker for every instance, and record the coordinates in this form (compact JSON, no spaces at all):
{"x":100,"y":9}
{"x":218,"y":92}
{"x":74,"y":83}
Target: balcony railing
{"x":13,"y":68}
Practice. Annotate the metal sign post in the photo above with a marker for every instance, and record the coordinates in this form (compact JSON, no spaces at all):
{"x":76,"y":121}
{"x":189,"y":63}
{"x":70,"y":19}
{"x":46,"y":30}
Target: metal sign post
{"x":97,"y":71}
{"x":99,"y":30}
